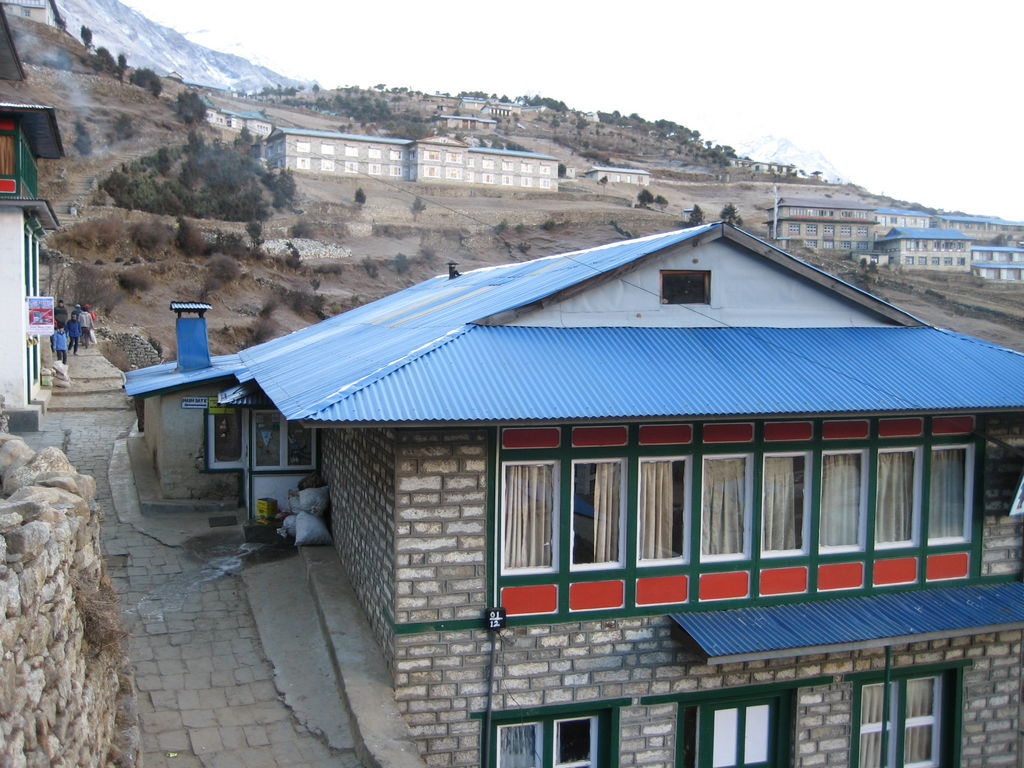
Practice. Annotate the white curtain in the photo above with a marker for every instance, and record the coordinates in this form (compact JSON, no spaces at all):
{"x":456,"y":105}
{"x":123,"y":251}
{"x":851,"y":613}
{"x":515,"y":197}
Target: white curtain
{"x":894,"y":497}
{"x":946,"y":500}
{"x":607,"y":505}
{"x":529,"y":507}
{"x":658,"y":521}
{"x":918,"y":739}
{"x":840,"y":499}
{"x":782,"y":505}
{"x":518,"y":746}
{"x":871,"y":726}
{"x":724,"y":502}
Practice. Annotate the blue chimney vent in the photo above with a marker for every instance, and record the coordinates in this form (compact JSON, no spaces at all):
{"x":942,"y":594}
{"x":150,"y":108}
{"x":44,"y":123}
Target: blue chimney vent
{"x":193,"y":345}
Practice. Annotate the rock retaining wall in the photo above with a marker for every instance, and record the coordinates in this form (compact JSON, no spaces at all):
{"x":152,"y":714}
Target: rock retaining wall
{"x":65,"y":692}
{"x":140,"y":352}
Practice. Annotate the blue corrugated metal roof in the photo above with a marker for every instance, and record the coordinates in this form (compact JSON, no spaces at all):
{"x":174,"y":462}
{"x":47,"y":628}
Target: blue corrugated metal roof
{"x":998,"y":248}
{"x":513,"y":152}
{"x":872,"y":620}
{"x":509,"y":373}
{"x":999,"y":264}
{"x":923,"y":233}
{"x":335,"y":135}
{"x":979,"y":219}
{"x":608,"y":168}
{"x":167,"y":375}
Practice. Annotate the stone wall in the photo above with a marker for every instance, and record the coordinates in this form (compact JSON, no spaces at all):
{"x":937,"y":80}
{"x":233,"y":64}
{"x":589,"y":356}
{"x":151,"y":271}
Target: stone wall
{"x":359,"y":466}
{"x":64,"y":687}
{"x":441,"y":680}
{"x":1002,"y":534}
{"x":138,"y":350}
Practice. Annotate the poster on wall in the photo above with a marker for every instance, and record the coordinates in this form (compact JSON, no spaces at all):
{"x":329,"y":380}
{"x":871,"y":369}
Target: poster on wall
{"x":40,"y":315}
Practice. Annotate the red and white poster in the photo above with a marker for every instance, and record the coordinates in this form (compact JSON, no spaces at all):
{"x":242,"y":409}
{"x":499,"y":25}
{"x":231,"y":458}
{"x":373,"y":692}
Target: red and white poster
{"x":40,"y":315}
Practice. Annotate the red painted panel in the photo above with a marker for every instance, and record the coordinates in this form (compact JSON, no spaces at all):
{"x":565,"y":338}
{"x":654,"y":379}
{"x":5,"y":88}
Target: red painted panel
{"x":900,"y":427}
{"x":6,"y":124}
{"x":543,"y":437}
{"x":665,"y":434}
{"x":591,"y":595}
{"x":788,"y":430}
{"x":586,"y":437}
{"x":728,"y":433}
{"x":8,"y":185}
{"x":542,"y":598}
{"x":952,"y":425}
{"x":897,"y":570}
{"x":844,"y":430}
{"x":658,"y":590}
{"x":950,"y":566}
{"x":840,"y":576}
{"x":722,"y":586}
{"x":784,"y":581}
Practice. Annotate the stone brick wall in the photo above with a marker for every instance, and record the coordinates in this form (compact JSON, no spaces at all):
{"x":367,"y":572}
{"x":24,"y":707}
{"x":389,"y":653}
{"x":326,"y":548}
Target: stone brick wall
{"x":62,"y":671}
{"x":441,"y":679}
{"x":359,"y":466}
{"x":441,"y":512}
{"x":1003,"y":535}
{"x":140,"y":351}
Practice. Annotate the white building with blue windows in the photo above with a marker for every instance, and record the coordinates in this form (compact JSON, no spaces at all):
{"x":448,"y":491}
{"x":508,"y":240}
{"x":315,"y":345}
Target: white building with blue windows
{"x":736,"y":511}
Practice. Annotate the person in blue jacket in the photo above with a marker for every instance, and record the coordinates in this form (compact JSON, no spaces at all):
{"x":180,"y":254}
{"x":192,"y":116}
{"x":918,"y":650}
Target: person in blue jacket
{"x":74,"y":331}
{"x":60,"y":343}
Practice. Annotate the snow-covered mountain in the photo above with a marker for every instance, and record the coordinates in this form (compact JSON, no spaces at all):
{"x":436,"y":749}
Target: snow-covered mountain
{"x":781,"y":150}
{"x":121,"y":29}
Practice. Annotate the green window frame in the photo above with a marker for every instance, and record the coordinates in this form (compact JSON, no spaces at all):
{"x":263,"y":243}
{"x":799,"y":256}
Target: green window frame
{"x":555,"y":737}
{"x":736,"y":732}
{"x":917,"y":725}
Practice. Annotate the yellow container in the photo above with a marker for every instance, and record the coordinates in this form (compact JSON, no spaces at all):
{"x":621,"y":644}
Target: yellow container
{"x":266,"y":511}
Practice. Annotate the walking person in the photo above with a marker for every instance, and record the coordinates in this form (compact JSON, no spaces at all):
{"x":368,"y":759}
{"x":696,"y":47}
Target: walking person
{"x":88,"y":322}
{"x":60,"y":343}
{"x":74,"y":331}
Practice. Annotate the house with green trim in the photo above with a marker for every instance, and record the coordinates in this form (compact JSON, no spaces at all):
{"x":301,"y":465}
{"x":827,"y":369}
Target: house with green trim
{"x":28,"y":132}
{"x":679,"y":501}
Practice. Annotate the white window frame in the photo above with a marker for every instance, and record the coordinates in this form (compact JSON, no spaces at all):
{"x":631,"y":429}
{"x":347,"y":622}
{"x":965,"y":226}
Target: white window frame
{"x":282,"y":464}
{"x":375,"y":169}
{"x":865,"y":472}
{"x":302,"y":163}
{"x":623,"y":507}
{"x":545,"y":183}
{"x":506,"y":165}
{"x":968,"y":493}
{"x":394,"y":154}
{"x":242,"y":461}
{"x":487,"y":163}
{"x":302,"y":147}
{"x":452,"y":157}
{"x":506,"y":180}
{"x":351,"y":166}
{"x":556,"y":492}
{"x":748,"y":503}
{"x":396,"y":170}
{"x":915,"y":523}
{"x":351,"y":151}
{"x":643,"y":562}
{"x":326,"y":149}
{"x":374,"y":153}
{"x":326,"y":164}
{"x":805,"y":533}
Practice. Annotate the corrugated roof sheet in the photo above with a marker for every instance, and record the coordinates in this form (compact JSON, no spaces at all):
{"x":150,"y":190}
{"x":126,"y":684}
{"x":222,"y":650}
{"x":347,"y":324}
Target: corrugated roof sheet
{"x":512,"y":152}
{"x":979,"y":219}
{"x":998,"y":248}
{"x":39,"y":123}
{"x":826,"y":202}
{"x":872,"y":620}
{"x":335,"y":135}
{"x":923,"y":233}
{"x":608,"y":168}
{"x":509,"y":373}
{"x":167,"y":375}
{"x":902,"y":212}
{"x":999,"y":264}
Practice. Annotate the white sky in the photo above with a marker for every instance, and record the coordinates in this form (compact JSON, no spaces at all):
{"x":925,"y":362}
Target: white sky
{"x":917,"y":100}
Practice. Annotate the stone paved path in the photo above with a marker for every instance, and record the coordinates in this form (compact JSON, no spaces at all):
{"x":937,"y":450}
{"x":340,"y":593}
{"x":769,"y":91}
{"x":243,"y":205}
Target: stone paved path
{"x":206,"y":691}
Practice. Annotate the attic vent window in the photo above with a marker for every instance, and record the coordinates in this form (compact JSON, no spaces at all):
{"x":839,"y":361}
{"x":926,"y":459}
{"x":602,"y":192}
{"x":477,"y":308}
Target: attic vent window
{"x":686,"y":287}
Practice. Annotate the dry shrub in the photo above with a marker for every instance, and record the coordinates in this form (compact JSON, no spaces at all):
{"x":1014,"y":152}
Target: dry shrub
{"x":303,"y":302}
{"x":100,"y":609}
{"x":262,"y":329}
{"x":95,"y":287}
{"x":302,"y":229}
{"x":269,"y":306}
{"x":329,"y":268}
{"x":134,"y":281}
{"x":223,"y":268}
{"x":151,"y":235}
{"x":190,"y":239}
{"x":94,"y":234}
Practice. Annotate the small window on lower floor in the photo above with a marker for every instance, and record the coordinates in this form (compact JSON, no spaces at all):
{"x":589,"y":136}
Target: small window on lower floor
{"x":686,"y":287}
{"x":555,"y":742}
{"x":919,"y":715}
{"x":736,"y":734}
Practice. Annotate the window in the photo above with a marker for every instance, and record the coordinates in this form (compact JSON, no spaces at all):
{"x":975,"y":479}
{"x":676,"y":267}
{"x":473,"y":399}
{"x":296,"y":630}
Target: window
{"x":525,"y":168}
{"x":862,"y":231}
{"x":453,"y":173}
{"x":525,"y":181}
{"x":896,"y":495}
{"x":487,"y":178}
{"x":725,"y":507}
{"x":506,"y":180}
{"x":811,"y":229}
{"x":431,"y":155}
{"x":326,"y":165}
{"x":811,"y":243}
{"x":794,"y":228}
{"x":302,"y":163}
{"x":685,"y":287}
{"x":555,"y":742}
{"x":432,"y":172}
{"x":545,"y":183}
{"x":828,"y":244}
{"x":270,"y":450}
{"x":597,"y":512}
{"x":470,"y":177}
{"x":226,"y":432}
{"x":845,"y":231}
{"x":375,"y":169}
{"x":843,"y":498}
{"x":916,"y":735}
{"x":909,"y":260}
{"x":663,"y":508}
{"x":545,"y":170}
{"x":374,"y":153}
{"x":529,"y":494}
{"x":862,"y":245}
{"x":828,"y":229}
{"x":949,"y":494}
{"x":351,"y":166}
{"x":394,"y":154}
{"x":784,"y":504}
{"x":936,"y":260}
{"x":487,"y":163}
{"x":753,"y":731}
{"x":302,"y":146}
{"x":506,"y":165}
{"x":327,"y":149}
{"x":846,"y":245}
{"x":351,"y":151}
{"x":396,"y":170}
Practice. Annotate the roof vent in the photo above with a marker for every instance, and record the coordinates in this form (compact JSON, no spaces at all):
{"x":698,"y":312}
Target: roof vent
{"x":452,"y":271}
{"x":193,"y":344}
